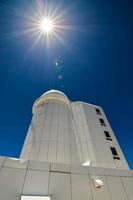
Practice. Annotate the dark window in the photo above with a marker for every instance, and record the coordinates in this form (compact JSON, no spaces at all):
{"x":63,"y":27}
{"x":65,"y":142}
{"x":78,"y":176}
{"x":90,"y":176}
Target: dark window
{"x":102,"y":122}
{"x":98,"y":111}
{"x":109,"y":139}
{"x":116,"y":158}
{"x":107,"y":134}
{"x":114,"y":152}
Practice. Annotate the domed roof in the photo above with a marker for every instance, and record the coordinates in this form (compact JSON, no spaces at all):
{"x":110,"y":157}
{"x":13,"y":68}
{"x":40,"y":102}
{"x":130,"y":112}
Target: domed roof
{"x":51,"y":92}
{"x":51,"y":95}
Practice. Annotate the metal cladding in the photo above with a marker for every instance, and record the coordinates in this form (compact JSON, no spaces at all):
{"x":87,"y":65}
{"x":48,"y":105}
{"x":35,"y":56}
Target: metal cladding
{"x":68,"y":132}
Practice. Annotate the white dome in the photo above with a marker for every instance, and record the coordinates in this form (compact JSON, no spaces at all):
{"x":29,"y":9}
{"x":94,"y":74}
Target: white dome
{"x":51,"y":92}
{"x":51,"y":95}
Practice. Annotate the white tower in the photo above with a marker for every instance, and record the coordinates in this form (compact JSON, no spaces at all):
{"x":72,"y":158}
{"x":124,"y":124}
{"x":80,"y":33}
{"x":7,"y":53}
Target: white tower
{"x":68,"y":132}
{"x":70,"y":153}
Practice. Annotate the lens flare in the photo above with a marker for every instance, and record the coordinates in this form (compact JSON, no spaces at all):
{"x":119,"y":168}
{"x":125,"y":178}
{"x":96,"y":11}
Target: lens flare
{"x":44,"y":23}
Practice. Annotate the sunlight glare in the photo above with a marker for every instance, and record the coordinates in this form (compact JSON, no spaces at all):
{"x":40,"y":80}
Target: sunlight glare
{"x":46,"y":25}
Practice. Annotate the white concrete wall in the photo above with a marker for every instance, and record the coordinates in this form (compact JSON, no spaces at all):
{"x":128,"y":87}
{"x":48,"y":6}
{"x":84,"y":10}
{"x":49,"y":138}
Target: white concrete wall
{"x":91,"y":138}
{"x":62,"y":182}
{"x":50,"y":136}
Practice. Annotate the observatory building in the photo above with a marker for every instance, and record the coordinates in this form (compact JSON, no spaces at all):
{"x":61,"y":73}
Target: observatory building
{"x":70,"y":153}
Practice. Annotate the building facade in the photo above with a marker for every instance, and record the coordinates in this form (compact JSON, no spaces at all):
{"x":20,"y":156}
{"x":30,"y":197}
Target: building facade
{"x":70,"y":153}
{"x":68,"y":132}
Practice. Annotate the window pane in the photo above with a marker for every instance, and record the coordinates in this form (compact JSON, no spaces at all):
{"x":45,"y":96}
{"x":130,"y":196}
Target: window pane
{"x":98,"y":111}
{"x":114,"y":152}
{"x":116,"y":158}
{"x":107,"y":134}
{"x":108,"y":139}
{"x":102,"y":122}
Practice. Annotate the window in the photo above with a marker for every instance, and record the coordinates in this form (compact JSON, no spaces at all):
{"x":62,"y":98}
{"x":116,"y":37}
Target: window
{"x":35,"y":198}
{"x":102,"y":122}
{"x":116,"y":158}
{"x":107,"y":135}
{"x":109,"y":139}
{"x":115,"y":154}
{"x":98,"y":111}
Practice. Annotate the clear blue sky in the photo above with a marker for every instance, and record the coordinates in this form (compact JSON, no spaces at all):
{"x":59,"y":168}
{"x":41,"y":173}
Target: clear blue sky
{"x":95,"y":57}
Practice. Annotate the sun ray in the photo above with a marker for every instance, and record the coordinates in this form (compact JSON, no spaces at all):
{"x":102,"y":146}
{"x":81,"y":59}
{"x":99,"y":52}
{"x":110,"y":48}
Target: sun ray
{"x":43,"y":22}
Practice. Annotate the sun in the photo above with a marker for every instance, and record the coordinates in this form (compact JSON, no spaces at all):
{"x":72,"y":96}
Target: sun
{"x":46,"y":25}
